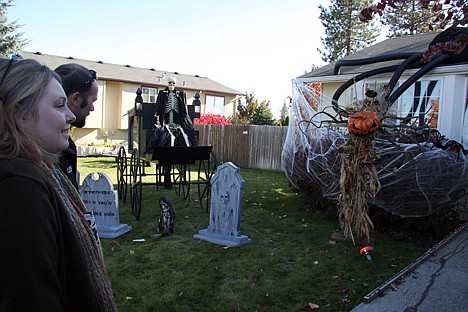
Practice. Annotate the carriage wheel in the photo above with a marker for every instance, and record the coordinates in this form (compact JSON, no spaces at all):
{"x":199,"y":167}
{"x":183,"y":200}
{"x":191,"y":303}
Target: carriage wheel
{"x":122,"y":174}
{"x":181,"y":178}
{"x":206,"y":171}
{"x":135,"y":187}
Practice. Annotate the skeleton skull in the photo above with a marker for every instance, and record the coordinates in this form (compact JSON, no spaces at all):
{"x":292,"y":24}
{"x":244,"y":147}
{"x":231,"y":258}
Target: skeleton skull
{"x":172,"y":81}
{"x":224,"y":197}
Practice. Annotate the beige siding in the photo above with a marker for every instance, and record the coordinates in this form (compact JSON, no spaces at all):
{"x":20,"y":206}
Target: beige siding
{"x":328,"y":90}
{"x":95,"y":119}
{"x":230,"y":106}
{"x":112,"y":105}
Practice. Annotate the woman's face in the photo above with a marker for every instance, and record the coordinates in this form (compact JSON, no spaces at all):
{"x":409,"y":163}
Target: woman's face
{"x":53,"y":119}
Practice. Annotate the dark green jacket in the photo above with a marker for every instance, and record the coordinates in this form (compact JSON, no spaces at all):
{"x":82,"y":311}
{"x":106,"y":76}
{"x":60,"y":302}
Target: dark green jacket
{"x":41,"y":268}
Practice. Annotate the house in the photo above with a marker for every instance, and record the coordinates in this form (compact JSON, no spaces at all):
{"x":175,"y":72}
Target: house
{"x":445,"y":88}
{"x":117,"y":91}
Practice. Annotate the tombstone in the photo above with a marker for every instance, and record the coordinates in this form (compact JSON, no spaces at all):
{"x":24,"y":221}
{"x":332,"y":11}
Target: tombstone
{"x":226,"y":208}
{"x":101,"y":199}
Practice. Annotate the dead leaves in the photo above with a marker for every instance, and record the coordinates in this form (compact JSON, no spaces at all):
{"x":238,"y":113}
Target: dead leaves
{"x":311,"y":307}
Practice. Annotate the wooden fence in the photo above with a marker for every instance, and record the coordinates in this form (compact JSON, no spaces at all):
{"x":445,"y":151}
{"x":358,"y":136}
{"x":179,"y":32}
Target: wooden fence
{"x":246,"y":146}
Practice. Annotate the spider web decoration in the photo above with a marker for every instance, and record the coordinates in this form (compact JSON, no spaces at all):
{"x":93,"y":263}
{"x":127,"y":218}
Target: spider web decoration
{"x":405,"y":169}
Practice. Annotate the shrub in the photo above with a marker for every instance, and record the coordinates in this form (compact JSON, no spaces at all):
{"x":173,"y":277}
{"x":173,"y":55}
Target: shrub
{"x":211,"y":119}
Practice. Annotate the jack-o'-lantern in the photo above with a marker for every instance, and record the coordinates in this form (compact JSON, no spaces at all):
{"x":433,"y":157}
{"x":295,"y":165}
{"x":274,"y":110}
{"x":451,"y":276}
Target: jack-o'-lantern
{"x":361,"y":124}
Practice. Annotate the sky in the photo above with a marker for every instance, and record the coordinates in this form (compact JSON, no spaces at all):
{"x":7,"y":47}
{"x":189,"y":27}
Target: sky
{"x":254,"y":46}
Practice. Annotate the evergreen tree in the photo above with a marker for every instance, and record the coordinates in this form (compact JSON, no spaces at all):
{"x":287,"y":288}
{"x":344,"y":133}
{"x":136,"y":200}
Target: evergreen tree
{"x":284,"y":115}
{"x":10,"y":43}
{"x":344,"y":33}
{"x":408,"y":18}
{"x":263,"y":114}
{"x":245,"y":111}
{"x":446,"y":12}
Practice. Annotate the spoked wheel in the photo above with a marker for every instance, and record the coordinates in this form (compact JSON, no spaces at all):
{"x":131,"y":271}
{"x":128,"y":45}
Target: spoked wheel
{"x":122,"y":174}
{"x":181,"y":180}
{"x":135,"y":187}
{"x":206,"y":171}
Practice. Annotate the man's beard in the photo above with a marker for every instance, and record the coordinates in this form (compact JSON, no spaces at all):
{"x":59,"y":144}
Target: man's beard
{"x":79,"y":124}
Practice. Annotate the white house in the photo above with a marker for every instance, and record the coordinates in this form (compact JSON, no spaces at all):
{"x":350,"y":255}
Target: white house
{"x":446,"y":87}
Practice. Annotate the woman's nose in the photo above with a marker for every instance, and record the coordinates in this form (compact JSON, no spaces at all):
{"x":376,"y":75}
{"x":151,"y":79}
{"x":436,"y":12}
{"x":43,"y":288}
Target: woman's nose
{"x":70,"y":117}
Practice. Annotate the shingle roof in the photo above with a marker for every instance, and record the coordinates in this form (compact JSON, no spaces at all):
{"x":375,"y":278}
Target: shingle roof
{"x":404,"y":44}
{"x":126,"y":73}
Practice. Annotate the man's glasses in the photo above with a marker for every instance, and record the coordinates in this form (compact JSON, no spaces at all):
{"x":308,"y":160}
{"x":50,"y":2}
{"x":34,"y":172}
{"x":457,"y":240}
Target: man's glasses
{"x":94,"y":76}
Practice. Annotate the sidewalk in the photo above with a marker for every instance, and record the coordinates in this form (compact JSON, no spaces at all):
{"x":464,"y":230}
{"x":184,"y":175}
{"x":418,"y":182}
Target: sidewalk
{"x":440,"y":283}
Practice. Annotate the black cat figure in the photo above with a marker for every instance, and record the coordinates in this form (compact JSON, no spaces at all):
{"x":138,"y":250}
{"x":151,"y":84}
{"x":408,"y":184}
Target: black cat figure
{"x":166,"y":220}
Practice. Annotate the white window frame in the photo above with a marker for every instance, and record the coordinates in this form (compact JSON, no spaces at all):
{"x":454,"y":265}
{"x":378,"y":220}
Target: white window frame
{"x":214,"y":104}
{"x":149,"y":94}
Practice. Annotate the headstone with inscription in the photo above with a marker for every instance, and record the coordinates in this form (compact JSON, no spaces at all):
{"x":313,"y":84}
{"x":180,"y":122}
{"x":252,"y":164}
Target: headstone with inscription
{"x":226,"y":208}
{"x":100,"y":198}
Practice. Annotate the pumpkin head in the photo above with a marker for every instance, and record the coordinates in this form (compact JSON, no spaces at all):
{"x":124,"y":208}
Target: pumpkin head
{"x":361,"y":124}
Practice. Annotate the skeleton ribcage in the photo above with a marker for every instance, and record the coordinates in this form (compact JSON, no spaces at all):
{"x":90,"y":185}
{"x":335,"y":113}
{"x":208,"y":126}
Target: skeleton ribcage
{"x":172,"y":103}
{"x":171,"y":107}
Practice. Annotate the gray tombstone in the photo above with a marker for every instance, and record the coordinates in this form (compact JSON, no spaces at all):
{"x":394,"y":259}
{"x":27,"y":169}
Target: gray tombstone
{"x":100,"y":198}
{"x":226,"y":208}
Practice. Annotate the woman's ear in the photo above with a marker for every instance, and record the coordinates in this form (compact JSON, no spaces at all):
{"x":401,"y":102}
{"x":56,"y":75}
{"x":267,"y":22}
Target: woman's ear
{"x":21,"y":120}
{"x":20,"y":117}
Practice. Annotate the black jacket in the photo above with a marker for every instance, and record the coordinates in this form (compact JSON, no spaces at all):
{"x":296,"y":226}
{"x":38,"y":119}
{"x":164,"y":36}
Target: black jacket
{"x":182,"y":118}
{"x":68,"y":163}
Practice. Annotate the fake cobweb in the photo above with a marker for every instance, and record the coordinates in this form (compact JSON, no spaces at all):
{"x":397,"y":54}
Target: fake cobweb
{"x":417,"y":178}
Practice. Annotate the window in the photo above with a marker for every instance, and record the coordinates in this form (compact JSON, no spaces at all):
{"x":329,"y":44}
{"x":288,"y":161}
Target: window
{"x":149,"y":95}
{"x":420,"y":103}
{"x":214,"y":105}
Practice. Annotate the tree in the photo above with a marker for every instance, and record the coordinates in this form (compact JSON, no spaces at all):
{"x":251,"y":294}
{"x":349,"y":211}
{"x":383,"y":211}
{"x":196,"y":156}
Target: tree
{"x":407,"y":18}
{"x":245,"y":111}
{"x":447,"y":12}
{"x":452,"y":13}
{"x":344,"y":34}
{"x":10,"y":43}
{"x":284,"y":114}
{"x":263,"y":115}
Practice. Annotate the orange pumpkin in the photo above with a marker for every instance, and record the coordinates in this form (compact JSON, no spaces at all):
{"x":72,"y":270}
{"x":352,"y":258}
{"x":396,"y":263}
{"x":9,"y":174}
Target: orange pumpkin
{"x":361,"y":124}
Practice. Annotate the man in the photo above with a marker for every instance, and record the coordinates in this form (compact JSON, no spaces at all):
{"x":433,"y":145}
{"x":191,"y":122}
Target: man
{"x":81,"y":87}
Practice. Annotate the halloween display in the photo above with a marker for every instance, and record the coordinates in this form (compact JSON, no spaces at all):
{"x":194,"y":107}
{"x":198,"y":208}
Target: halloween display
{"x":167,"y":217}
{"x":368,"y":152}
{"x":361,"y":124}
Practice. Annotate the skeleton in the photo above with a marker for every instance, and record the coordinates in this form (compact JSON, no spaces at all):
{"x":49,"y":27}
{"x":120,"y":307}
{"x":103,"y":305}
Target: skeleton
{"x":171,"y":105}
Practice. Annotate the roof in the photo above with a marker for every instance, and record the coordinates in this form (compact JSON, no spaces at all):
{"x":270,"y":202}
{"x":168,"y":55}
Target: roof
{"x":127,"y":73}
{"x":403,"y":44}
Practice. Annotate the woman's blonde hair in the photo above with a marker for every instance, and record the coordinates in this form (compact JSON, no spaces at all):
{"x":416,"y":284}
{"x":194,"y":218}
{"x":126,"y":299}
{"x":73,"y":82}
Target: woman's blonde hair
{"x":21,"y":86}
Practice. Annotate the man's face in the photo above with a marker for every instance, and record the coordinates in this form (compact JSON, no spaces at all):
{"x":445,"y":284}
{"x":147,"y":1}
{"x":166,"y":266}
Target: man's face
{"x":85,"y":106}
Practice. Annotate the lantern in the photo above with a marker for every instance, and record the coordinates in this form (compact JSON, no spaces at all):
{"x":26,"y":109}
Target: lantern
{"x":361,"y":124}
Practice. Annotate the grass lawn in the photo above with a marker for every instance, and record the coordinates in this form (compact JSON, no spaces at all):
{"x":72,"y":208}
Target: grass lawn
{"x":289,"y":264}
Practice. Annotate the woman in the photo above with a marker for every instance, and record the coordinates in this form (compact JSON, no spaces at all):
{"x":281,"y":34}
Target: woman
{"x":49,"y":259}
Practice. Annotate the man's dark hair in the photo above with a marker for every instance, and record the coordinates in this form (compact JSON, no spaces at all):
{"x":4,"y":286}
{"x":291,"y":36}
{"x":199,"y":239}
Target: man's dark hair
{"x":75,"y":78}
